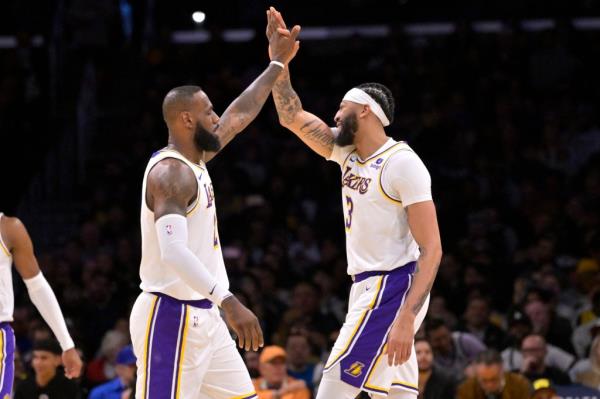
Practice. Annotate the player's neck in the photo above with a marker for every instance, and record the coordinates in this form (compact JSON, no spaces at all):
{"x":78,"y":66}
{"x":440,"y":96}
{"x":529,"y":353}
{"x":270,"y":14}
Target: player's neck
{"x":190,"y":152}
{"x":368,"y":143}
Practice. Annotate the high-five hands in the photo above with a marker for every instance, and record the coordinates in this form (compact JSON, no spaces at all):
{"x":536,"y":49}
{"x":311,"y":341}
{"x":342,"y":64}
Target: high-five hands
{"x":283,"y":45}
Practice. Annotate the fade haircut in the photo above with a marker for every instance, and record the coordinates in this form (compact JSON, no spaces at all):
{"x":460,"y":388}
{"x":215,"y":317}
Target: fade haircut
{"x":178,"y":100}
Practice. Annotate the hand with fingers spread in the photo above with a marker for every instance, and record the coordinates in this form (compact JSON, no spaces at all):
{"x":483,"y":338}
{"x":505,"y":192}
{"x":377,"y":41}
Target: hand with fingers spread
{"x":244,"y":323}
{"x":400,"y":341}
{"x":283,"y":45}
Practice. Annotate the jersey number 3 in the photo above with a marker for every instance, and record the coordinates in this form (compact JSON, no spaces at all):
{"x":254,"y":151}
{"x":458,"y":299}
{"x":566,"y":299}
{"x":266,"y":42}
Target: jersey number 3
{"x":350,"y":208}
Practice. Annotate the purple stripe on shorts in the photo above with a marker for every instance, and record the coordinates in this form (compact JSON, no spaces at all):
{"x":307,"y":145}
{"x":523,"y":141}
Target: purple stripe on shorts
{"x":164,"y":349}
{"x":357,"y":363}
{"x":7,"y":367}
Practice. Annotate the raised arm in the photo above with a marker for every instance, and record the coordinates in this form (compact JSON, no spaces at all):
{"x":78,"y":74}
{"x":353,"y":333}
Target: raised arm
{"x":246,"y":107}
{"x":309,"y":128}
{"x":41,"y":294}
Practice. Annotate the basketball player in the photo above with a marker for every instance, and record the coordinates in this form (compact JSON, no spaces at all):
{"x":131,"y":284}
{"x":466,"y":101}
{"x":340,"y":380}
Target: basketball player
{"x":183,"y":347}
{"x":16,"y":246}
{"x":392,"y":238}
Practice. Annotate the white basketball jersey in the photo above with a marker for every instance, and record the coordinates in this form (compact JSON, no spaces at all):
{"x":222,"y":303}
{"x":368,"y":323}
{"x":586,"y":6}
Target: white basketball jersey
{"x":203,"y":238}
{"x":378,"y":237}
{"x":7,"y":299}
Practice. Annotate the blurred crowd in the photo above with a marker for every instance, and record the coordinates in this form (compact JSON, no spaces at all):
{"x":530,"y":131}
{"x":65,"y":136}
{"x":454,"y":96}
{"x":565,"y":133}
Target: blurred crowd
{"x":507,"y":124}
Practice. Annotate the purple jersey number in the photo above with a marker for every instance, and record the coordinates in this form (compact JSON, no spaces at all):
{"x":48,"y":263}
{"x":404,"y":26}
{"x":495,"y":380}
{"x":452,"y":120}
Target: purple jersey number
{"x":350,"y":207}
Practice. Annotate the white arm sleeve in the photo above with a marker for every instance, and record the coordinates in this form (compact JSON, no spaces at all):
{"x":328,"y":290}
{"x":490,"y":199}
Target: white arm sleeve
{"x":43,"y":298}
{"x":172,"y":235}
{"x":405,"y":178}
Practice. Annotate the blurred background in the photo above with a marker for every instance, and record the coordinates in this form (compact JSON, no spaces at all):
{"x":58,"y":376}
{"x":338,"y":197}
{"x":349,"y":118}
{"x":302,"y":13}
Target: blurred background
{"x":501,"y":100}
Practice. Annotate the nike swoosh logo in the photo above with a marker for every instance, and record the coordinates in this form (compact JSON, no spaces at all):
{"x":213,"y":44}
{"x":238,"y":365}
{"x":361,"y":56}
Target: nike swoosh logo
{"x":213,"y":290}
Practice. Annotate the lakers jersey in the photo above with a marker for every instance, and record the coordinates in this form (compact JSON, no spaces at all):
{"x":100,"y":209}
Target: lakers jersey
{"x":378,"y":237}
{"x":7,"y":299}
{"x":203,"y":239}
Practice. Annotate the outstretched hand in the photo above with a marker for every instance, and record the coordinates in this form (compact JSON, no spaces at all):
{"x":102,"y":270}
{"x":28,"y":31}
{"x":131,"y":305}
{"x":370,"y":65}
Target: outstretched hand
{"x":279,"y":36}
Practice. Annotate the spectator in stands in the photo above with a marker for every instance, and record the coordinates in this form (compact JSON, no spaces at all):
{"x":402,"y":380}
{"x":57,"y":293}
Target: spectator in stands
{"x":305,"y":311}
{"x":251,"y":361}
{"x":125,"y":369}
{"x":492,"y":382}
{"x":587,"y":371}
{"x":543,"y":390}
{"x":433,"y":382}
{"x":593,"y":312}
{"x":519,"y":327}
{"x":300,"y":364}
{"x":102,"y":368}
{"x":583,"y":336}
{"x":453,"y":351}
{"x":274,"y":382}
{"x":476,"y":320}
{"x":534,"y":350}
{"x":554,"y":328}
{"x":48,"y":380}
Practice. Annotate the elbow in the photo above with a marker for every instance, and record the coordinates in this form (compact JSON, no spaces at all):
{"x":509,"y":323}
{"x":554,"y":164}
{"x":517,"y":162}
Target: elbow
{"x":169,"y":256}
{"x":285,"y":122}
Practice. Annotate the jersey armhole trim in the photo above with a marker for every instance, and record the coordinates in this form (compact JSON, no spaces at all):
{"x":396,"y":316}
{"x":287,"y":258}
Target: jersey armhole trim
{"x":380,"y":185}
{"x":2,"y":245}
{"x":191,"y":207}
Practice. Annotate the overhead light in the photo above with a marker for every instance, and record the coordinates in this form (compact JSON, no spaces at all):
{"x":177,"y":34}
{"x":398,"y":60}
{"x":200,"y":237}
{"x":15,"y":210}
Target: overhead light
{"x":198,"y":17}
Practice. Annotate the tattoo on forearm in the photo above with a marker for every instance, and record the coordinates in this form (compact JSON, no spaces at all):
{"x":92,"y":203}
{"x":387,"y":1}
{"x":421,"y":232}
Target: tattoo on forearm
{"x":245,"y":108}
{"x":286,"y":99}
{"x":317,"y":131}
{"x":417,"y":307}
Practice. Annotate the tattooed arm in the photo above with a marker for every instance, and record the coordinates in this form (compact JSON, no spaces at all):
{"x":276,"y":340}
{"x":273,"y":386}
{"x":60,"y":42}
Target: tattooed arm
{"x":244,"y":109}
{"x":423,"y":224}
{"x":309,"y":128}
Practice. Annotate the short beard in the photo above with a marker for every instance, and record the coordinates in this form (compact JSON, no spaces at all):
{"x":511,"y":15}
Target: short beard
{"x":205,"y":140}
{"x":347,"y":131}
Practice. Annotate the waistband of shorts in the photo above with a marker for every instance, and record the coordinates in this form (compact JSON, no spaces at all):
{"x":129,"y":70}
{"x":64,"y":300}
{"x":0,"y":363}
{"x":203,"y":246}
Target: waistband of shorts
{"x":4,"y":324}
{"x":199,"y":303}
{"x":408,"y":268}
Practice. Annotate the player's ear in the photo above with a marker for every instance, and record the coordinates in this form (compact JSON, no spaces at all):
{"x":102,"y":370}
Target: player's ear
{"x":364,"y":112}
{"x":186,"y":118}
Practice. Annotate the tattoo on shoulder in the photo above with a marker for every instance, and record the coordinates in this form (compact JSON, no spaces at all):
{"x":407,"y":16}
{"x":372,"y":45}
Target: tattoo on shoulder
{"x":173,"y":179}
{"x":316,"y":130}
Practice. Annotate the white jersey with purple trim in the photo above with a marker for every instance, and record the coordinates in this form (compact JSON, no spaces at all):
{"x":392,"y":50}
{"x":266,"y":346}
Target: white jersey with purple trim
{"x":203,"y":238}
{"x":7,"y":299}
{"x":375,"y":193}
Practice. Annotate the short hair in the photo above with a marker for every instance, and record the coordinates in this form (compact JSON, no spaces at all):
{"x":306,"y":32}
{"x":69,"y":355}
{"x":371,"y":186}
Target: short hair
{"x":48,"y":345}
{"x":434,"y":324}
{"x":382,"y":95}
{"x":489,"y":357}
{"x":178,"y":100}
